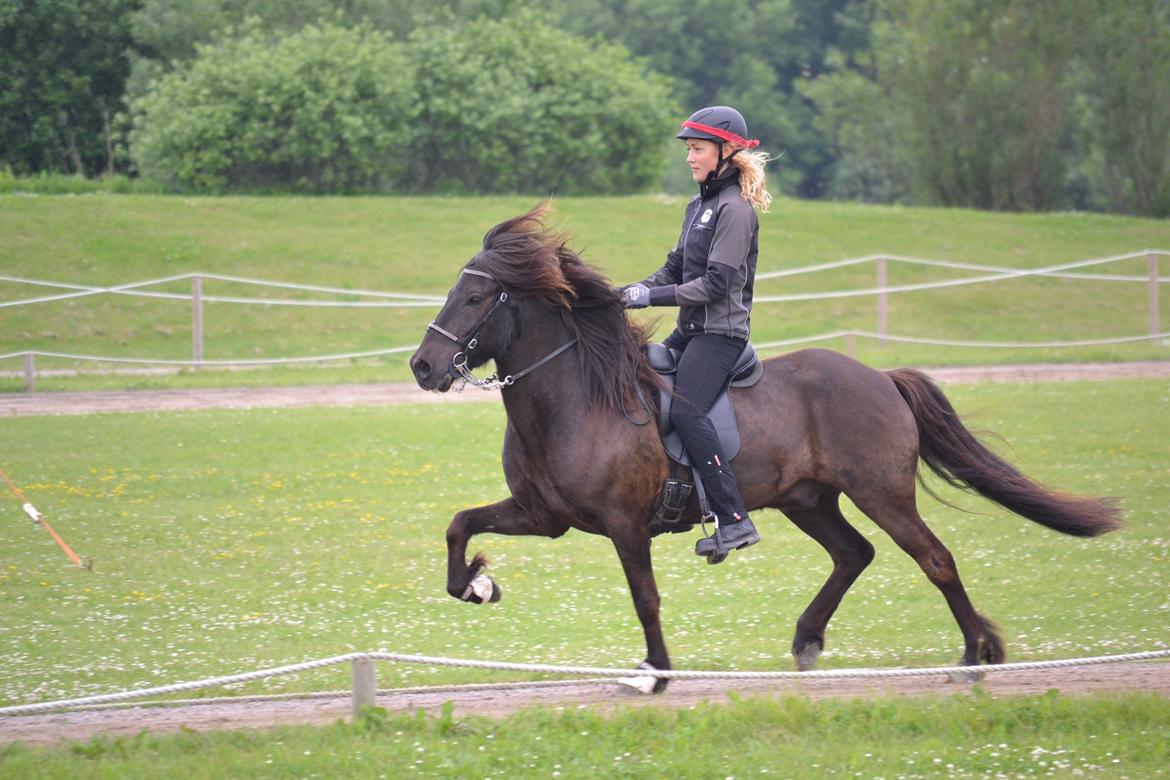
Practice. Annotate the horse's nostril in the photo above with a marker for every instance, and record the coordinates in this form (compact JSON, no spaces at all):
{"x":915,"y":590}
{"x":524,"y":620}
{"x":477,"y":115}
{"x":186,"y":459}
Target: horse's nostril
{"x":422,"y":369}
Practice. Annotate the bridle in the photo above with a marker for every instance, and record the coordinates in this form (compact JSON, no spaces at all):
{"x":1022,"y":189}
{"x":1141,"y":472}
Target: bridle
{"x":470,"y":342}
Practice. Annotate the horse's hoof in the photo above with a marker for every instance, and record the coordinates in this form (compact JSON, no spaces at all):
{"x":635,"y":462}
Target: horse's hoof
{"x":967,"y":676}
{"x":807,"y":657}
{"x":644,"y":684}
{"x":482,"y":590}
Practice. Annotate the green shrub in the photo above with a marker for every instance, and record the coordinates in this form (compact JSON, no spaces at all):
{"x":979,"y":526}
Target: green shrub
{"x":324,"y":110}
{"x":519,"y":106}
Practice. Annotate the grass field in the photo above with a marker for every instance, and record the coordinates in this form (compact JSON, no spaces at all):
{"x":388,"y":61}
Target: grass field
{"x":227,"y":541}
{"x":416,"y":245}
{"x":955,"y":737}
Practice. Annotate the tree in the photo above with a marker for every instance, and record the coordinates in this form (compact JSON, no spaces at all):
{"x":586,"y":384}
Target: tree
{"x":1125,"y":52}
{"x":63,"y":69}
{"x":981,"y":94}
{"x":518,"y":106}
{"x":326,"y":109}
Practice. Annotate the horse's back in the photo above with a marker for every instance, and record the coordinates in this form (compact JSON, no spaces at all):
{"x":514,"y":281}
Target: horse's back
{"x":828,"y":411}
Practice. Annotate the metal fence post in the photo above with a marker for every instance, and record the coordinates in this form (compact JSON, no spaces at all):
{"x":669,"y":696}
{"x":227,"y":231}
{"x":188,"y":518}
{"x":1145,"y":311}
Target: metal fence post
{"x":1152,"y":261}
{"x":365,"y":684}
{"x":30,"y":372}
{"x":883,"y":302}
{"x":197,"y":318}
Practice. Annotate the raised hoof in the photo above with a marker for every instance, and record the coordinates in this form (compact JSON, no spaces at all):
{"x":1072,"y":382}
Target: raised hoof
{"x":482,"y":590}
{"x":806,"y":659}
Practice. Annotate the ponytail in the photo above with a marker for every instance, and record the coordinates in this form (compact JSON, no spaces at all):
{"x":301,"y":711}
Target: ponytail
{"x":751,"y":177}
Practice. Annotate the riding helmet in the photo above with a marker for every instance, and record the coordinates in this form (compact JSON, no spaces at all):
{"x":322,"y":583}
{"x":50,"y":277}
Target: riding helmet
{"x":719,"y":124}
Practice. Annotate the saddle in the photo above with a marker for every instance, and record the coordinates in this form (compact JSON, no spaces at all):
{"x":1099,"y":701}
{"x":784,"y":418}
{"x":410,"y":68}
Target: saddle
{"x":676,"y":493}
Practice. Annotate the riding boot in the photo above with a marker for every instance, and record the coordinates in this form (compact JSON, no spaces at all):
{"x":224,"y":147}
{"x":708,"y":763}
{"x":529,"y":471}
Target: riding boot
{"x":734,"y":530}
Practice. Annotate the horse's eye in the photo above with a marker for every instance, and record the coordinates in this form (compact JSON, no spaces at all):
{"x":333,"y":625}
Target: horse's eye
{"x":475,"y":300}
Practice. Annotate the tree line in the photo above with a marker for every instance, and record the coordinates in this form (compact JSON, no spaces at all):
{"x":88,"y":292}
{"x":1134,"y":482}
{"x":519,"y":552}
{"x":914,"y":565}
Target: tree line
{"x":995,"y":104}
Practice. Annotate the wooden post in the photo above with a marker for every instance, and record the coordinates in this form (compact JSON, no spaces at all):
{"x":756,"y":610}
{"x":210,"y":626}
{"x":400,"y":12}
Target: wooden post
{"x":365,"y":684}
{"x":1155,"y":327}
{"x":851,"y":344}
{"x":30,"y":372}
{"x":883,"y":302}
{"x":197,"y":318}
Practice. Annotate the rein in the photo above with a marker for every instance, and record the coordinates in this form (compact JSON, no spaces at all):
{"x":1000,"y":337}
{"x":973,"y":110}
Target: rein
{"x":466,"y":345}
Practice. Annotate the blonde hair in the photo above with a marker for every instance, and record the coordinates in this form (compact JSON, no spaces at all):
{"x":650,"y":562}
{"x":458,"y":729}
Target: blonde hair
{"x":751,"y":177}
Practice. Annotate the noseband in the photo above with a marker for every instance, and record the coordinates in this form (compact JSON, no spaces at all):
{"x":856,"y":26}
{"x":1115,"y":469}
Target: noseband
{"x":466,"y":345}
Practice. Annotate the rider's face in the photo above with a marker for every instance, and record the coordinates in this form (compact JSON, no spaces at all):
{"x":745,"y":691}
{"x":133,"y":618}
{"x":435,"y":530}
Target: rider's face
{"x":702,"y":157}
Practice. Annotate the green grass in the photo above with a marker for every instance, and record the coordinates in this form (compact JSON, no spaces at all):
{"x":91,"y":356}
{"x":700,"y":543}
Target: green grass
{"x":227,"y":541}
{"x":417,"y":244}
{"x":959,"y":736}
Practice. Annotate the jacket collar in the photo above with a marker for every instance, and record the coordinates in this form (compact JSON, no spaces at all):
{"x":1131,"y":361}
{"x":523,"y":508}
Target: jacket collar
{"x":712,"y":186}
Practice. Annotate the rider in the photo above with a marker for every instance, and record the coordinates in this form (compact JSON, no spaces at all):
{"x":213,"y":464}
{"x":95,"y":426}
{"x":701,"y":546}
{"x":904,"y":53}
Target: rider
{"x":709,"y":274}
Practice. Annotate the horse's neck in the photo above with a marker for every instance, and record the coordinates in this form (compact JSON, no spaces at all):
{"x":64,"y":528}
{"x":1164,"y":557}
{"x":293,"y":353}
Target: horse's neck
{"x":552,"y":395}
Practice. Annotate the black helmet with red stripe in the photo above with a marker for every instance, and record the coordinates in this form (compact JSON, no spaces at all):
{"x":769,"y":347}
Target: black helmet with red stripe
{"x":721,"y":124}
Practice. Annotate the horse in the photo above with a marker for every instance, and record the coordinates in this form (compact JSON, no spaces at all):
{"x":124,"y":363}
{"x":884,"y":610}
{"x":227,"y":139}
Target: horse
{"x":577,"y":452}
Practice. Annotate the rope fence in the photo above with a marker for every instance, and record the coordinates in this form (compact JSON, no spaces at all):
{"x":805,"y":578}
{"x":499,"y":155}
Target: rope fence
{"x":364,"y":688}
{"x":882,"y":290}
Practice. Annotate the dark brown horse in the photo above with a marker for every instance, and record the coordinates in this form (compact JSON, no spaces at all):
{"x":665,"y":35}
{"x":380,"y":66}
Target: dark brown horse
{"x":817,"y":425}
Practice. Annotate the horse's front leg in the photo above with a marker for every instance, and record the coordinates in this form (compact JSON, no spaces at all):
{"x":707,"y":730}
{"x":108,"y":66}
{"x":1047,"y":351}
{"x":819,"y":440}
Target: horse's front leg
{"x":466,"y":581}
{"x":632,"y":541}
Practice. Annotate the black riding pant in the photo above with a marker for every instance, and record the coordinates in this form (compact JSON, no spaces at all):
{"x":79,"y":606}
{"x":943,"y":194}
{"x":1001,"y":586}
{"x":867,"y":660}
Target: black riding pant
{"x":704,"y":369}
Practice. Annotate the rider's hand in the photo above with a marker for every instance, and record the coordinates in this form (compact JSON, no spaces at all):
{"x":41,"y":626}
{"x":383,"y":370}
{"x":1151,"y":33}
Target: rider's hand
{"x":636,"y":296}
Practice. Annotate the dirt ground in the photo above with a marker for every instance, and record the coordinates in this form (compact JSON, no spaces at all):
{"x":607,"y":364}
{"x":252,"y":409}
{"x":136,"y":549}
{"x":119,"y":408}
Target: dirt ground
{"x":17,"y":404}
{"x":82,"y":725}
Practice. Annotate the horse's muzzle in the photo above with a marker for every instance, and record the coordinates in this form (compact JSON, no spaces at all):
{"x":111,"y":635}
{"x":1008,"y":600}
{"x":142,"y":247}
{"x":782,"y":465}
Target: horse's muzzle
{"x":427,"y":377}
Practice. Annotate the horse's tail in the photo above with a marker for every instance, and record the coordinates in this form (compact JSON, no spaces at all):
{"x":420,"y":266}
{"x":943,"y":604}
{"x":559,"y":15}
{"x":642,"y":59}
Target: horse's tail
{"x":958,"y":457}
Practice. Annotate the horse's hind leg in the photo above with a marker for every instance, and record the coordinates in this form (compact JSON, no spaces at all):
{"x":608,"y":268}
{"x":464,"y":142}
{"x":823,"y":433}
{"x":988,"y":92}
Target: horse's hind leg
{"x":900,"y":519}
{"x":850,"y":552}
{"x":464,"y":580}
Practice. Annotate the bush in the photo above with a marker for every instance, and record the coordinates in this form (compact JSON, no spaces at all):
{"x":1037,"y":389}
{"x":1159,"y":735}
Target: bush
{"x":518,"y":106}
{"x":325,"y":110}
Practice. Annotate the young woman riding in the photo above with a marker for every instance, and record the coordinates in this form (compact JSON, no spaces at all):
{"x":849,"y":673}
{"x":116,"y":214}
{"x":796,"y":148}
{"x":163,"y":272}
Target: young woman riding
{"x":709,"y":275}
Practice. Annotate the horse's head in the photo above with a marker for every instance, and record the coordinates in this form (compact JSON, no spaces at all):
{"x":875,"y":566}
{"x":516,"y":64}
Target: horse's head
{"x":469,"y":331}
{"x":526,"y":298}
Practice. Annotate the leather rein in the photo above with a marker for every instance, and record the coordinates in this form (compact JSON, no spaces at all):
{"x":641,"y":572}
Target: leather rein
{"x":467,"y":344}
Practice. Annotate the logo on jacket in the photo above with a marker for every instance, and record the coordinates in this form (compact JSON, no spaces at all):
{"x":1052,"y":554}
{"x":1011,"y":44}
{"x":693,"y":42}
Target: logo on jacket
{"x":706,"y":216}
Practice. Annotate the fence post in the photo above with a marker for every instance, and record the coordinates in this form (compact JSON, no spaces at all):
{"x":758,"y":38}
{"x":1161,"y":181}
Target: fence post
{"x":1152,"y":261}
{"x":30,"y":372}
{"x":883,"y":302}
{"x":365,"y":684}
{"x":197,"y":318}
{"x":851,"y":344}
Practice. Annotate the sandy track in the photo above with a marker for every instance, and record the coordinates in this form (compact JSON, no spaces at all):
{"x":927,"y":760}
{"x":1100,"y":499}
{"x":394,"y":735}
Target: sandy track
{"x":81,"y":726}
{"x":19,"y":404}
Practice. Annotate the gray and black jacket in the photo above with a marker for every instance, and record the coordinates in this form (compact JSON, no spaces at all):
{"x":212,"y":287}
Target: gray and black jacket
{"x":711,"y":270}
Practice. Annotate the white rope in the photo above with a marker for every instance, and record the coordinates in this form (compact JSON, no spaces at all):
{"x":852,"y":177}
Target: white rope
{"x":248,"y":362}
{"x":957,"y":343}
{"x":837,"y":334}
{"x":407,"y":300}
{"x":995,"y":277}
{"x":592,"y":671}
{"x":972,"y":266}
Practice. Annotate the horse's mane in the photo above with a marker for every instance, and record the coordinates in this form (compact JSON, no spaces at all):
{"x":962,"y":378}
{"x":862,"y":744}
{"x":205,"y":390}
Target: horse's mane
{"x":528,"y":259}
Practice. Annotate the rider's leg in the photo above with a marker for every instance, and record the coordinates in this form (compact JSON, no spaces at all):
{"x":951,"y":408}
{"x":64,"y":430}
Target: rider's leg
{"x":703,"y":371}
